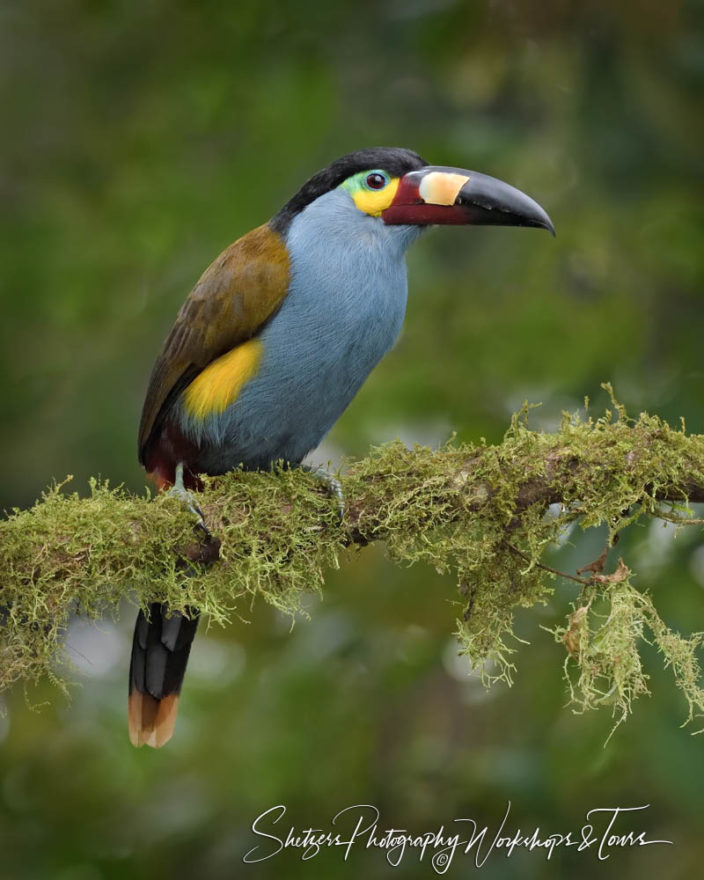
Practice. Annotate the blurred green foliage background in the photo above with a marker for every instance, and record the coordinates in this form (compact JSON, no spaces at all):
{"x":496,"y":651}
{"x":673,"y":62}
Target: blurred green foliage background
{"x":140,"y":138}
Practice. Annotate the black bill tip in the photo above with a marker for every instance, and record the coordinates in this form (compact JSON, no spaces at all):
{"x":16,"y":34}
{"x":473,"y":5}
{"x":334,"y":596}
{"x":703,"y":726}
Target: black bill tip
{"x":489,"y":201}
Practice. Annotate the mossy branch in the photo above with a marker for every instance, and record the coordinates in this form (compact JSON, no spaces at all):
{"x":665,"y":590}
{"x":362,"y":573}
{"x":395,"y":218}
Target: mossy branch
{"x":477,"y":511}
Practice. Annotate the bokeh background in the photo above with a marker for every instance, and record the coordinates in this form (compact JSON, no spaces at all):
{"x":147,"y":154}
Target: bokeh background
{"x":139,"y":139}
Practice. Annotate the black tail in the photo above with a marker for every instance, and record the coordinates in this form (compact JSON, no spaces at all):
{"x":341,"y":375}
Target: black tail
{"x":160,"y":650}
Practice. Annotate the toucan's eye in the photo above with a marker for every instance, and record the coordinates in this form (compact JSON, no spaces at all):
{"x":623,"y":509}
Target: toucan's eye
{"x":376,"y":180}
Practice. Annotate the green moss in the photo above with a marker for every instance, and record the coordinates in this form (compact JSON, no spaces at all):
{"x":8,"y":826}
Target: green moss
{"x":476,"y":511}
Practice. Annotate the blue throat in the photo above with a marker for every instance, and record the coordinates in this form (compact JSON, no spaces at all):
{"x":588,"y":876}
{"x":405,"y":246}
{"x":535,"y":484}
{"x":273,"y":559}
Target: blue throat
{"x":343,"y":312}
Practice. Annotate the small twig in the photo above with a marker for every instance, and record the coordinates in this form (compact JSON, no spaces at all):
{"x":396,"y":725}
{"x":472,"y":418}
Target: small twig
{"x":584,"y":581}
{"x":678,"y":520}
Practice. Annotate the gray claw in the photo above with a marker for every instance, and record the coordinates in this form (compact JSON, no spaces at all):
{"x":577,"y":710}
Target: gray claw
{"x":179,"y":490}
{"x":332,"y":484}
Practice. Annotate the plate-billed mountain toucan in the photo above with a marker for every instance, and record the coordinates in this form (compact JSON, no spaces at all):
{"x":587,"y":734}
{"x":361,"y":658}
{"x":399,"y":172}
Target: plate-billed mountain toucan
{"x":275,"y":340}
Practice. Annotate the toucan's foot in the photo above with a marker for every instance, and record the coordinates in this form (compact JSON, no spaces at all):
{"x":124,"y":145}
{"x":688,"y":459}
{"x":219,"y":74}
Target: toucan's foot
{"x":179,"y":490}
{"x":331,"y":483}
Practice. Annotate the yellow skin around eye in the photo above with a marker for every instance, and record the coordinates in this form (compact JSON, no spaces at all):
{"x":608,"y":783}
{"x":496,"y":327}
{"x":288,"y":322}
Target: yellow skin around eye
{"x":373,"y":202}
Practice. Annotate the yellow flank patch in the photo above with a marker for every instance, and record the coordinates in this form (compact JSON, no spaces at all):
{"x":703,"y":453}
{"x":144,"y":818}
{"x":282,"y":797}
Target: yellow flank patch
{"x":213,"y":390}
{"x":373,"y":202}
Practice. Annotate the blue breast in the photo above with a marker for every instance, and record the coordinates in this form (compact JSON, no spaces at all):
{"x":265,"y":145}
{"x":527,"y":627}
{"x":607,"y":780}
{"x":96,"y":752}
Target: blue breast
{"x":343,"y":312}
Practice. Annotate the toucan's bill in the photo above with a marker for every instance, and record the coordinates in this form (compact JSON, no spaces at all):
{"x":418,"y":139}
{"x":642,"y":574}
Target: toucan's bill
{"x":439,"y":195}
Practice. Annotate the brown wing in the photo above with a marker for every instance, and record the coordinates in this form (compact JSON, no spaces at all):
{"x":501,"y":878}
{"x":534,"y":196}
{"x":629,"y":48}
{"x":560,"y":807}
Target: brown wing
{"x":233,"y":298}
